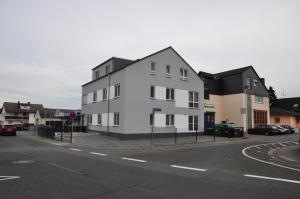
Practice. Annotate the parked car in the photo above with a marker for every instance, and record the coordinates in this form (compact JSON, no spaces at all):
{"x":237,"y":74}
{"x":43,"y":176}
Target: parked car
{"x":282,"y":130}
{"x":227,"y":130}
{"x":291,"y":129}
{"x":8,"y":130}
{"x":265,"y":130}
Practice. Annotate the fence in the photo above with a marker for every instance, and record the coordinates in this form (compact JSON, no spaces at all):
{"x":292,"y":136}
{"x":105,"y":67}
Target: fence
{"x":60,"y":133}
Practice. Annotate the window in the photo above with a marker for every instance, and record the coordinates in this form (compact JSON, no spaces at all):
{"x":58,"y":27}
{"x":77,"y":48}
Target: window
{"x":107,"y":69}
{"x":169,"y":94}
{"x":183,"y":73}
{"x":277,"y":119}
{"x":89,"y":119}
{"x":99,"y":119}
{"x":116,"y":119}
{"x":169,"y":120}
{"x":168,"y":68}
{"x":151,"y":119}
{"x":95,"y":96}
{"x":105,"y":94}
{"x":152,"y":91}
{"x":193,"y":123}
{"x":117,"y":90}
{"x":259,"y":99}
{"x":152,"y":66}
{"x":97,"y":74}
{"x":193,"y":99}
{"x":255,"y":83}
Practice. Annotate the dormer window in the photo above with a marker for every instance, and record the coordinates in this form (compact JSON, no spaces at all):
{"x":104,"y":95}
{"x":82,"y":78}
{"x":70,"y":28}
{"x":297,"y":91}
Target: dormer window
{"x":168,"y":69}
{"x":107,"y":69}
{"x":255,"y":83}
{"x":97,"y":75}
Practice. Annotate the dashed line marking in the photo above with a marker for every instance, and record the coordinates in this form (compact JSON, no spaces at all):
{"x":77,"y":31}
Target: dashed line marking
{"x":281,"y":144}
{"x":270,"y":178}
{"x":187,"y":168}
{"x":101,"y":154}
{"x":132,"y":159}
{"x":73,"y":149}
{"x":3,"y":178}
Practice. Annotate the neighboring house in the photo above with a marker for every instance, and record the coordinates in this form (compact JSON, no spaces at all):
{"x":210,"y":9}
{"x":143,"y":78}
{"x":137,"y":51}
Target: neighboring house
{"x":122,"y":94}
{"x":46,"y":116}
{"x":57,"y":117}
{"x":237,"y":96}
{"x":286,"y":111}
{"x":18,"y":113}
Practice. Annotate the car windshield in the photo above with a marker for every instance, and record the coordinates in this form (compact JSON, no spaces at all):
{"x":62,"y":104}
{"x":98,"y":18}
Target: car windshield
{"x":8,"y":126}
{"x":274,"y":127}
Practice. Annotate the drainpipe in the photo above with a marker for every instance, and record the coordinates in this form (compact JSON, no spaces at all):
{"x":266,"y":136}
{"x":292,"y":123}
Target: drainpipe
{"x":108,"y":101}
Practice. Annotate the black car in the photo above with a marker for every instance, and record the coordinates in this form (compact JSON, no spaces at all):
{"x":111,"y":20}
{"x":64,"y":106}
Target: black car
{"x":288,"y":127}
{"x":227,"y":130}
{"x":264,"y":130}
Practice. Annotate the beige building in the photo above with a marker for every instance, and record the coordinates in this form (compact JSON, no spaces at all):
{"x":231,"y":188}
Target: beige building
{"x":238,"y":96}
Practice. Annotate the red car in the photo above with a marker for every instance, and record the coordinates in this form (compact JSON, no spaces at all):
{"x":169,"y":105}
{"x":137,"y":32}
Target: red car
{"x":8,"y":130}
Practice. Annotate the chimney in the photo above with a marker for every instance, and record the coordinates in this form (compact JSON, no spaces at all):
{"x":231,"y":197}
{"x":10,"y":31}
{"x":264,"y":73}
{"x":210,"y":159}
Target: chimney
{"x":263,"y":81}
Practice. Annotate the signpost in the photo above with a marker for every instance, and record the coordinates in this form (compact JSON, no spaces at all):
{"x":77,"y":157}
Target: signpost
{"x":152,"y":127}
{"x":72,"y":116}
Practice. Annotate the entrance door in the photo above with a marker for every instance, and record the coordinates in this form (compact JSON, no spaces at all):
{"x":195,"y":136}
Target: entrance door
{"x":209,"y":120}
{"x":260,"y":117}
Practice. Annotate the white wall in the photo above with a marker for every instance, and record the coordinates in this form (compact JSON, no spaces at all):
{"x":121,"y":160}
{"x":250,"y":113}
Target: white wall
{"x":181,"y":122}
{"x":160,"y":120}
{"x":99,"y":95}
{"x":181,"y":98}
{"x":160,"y":93}
{"x":90,"y":98}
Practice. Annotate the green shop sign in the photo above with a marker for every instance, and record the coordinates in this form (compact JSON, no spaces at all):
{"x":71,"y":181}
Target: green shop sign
{"x":209,"y":106}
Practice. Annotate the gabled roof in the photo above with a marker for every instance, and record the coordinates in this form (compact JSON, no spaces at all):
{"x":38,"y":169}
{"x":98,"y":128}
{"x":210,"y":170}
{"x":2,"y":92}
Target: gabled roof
{"x":138,"y":60}
{"x":12,"y":107}
{"x":291,"y":104}
{"x":279,"y":111}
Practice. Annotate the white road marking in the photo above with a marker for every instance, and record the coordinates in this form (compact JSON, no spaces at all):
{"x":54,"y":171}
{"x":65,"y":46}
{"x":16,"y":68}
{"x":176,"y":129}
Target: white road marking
{"x":258,"y":148}
{"x":269,"y":178}
{"x":23,"y":161}
{"x":271,"y":163}
{"x":188,"y":168}
{"x":3,"y":178}
{"x":73,"y":149}
{"x":95,"y":153}
{"x":132,"y":159}
{"x":281,"y":144}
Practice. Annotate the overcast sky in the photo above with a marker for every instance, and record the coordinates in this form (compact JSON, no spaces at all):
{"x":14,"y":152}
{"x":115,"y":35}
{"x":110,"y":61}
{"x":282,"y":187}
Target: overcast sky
{"x":48,"y":48}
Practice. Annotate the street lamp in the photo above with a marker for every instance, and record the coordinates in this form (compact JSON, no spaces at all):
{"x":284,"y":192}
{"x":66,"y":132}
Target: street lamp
{"x":152,"y":126}
{"x":246,"y":110}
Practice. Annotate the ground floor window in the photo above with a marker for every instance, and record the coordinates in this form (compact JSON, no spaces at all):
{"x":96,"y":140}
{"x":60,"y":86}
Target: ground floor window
{"x":116,"y":119}
{"x":277,"y":119}
{"x":169,"y":120}
{"x":89,"y":119}
{"x":99,"y":119}
{"x":260,"y":117}
{"x":151,"y":119}
{"x":193,"y":123}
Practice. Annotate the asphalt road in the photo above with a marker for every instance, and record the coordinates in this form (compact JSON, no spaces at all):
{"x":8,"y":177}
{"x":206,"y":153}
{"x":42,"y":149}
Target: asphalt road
{"x":42,"y":170}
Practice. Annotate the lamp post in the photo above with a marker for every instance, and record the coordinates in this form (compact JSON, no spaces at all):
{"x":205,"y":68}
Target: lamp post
{"x":152,"y":126}
{"x":246,"y":111}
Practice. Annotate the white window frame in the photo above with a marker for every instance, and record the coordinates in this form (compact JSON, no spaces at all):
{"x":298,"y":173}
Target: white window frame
{"x":183,"y":74}
{"x":97,"y":74}
{"x":193,"y":123}
{"x":255,"y":82}
{"x":105,"y":94}
{"x":171,"y":92}
{"x":259,"y":99}
{"x":193,"y":103}
{"x":117,"y":90}
{"x":107,"y":69}
{"x":170,"y":120}
{"x":116,"y":119}
{"x":84,"y":99}
{"x":99,"y":122}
